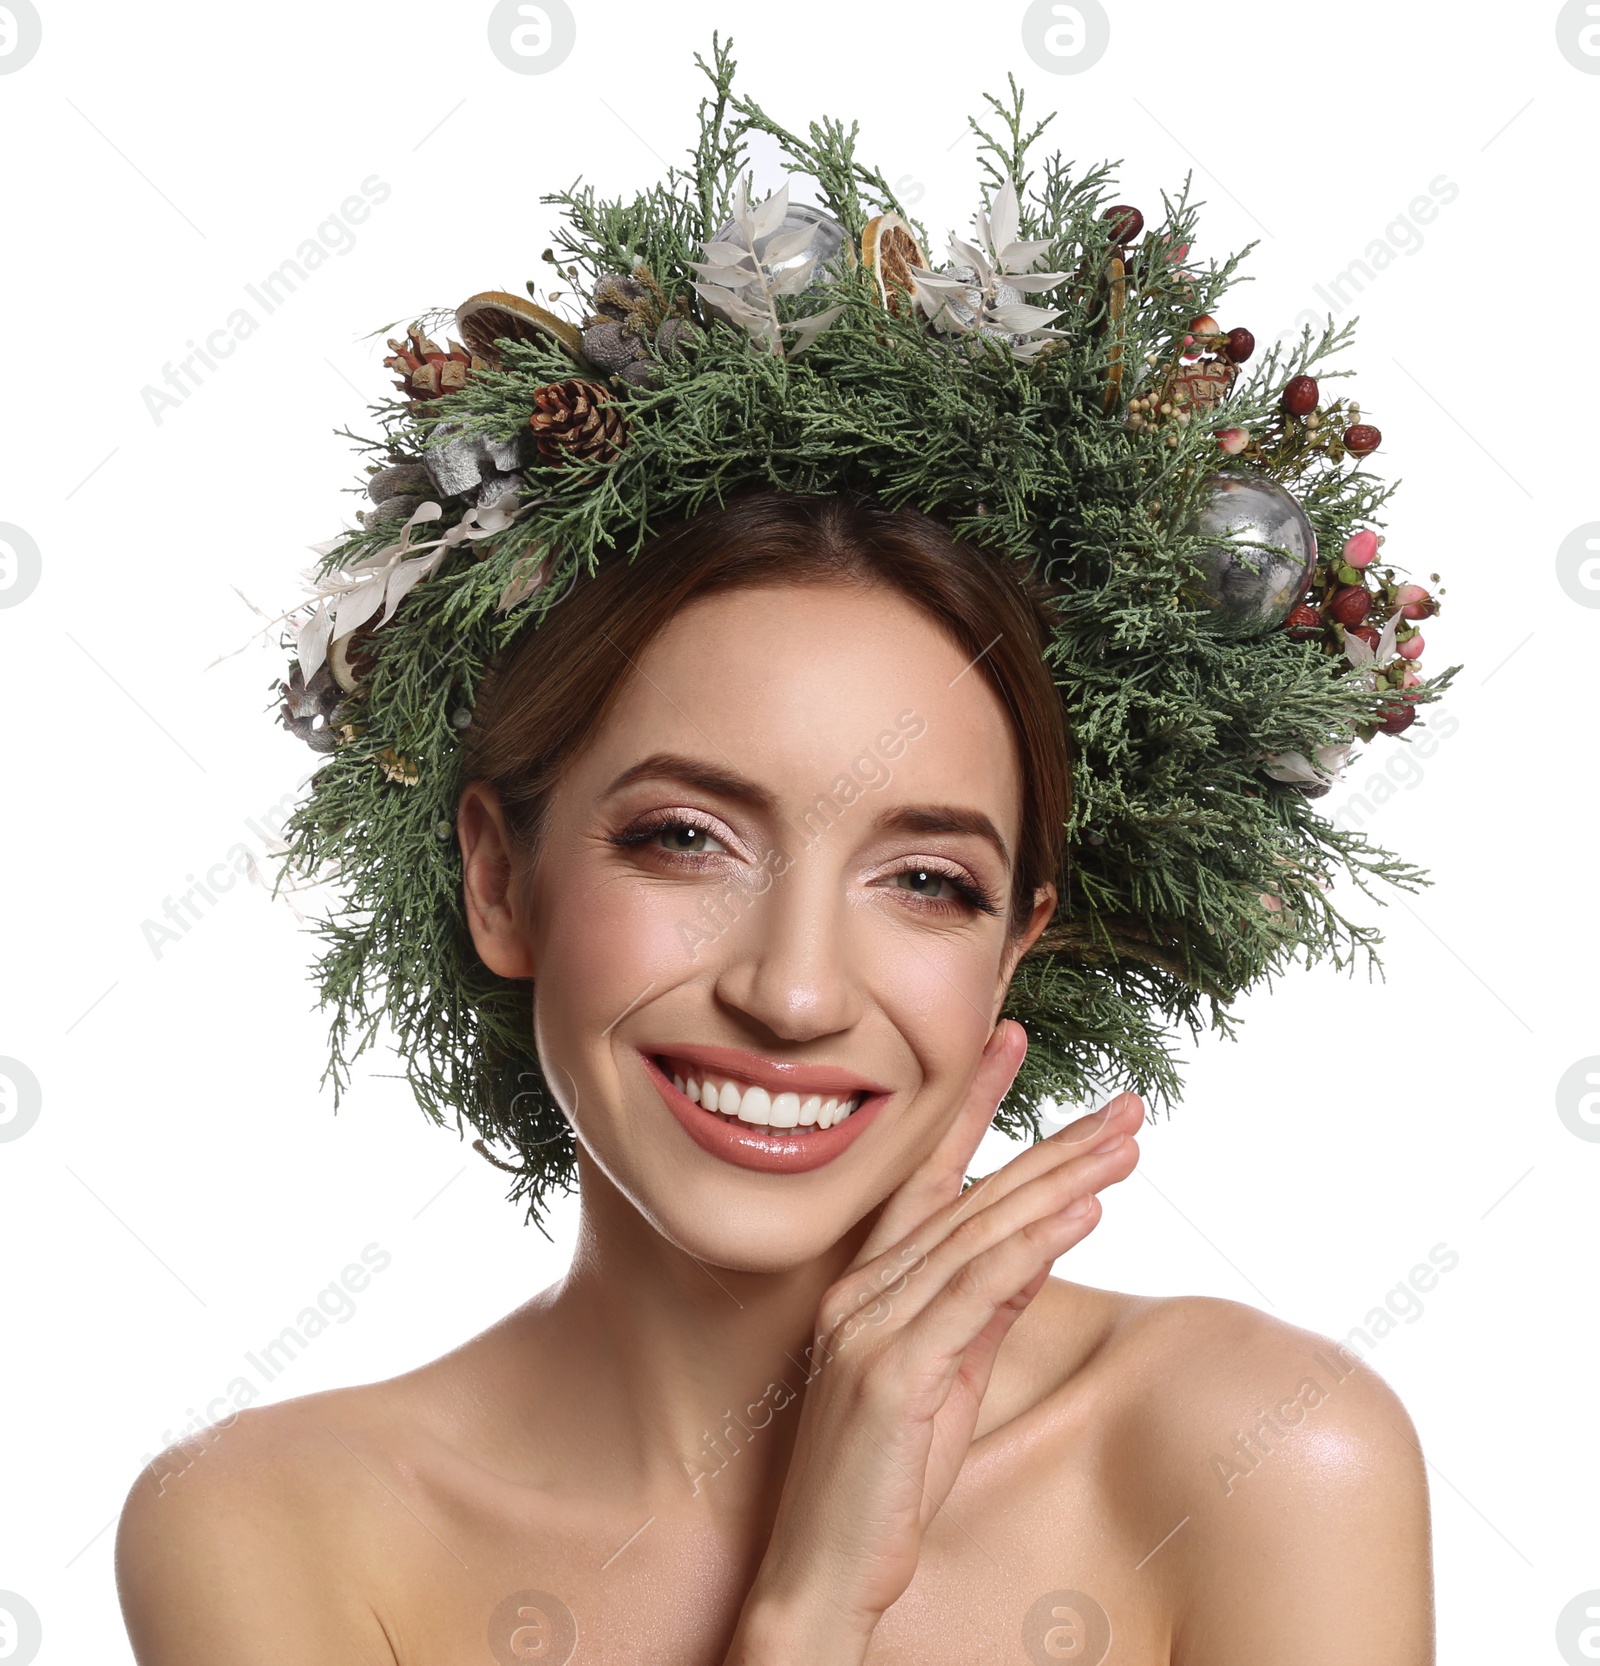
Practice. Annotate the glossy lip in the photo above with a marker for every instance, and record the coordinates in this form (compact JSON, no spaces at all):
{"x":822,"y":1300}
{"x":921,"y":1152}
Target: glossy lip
{"x":775,"y":1075}
{"x":743,"y":1144}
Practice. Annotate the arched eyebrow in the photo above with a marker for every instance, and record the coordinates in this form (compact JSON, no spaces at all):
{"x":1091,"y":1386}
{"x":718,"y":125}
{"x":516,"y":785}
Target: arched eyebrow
{"x":678,"y":766}
{"x":944,"y":818}
{"x":723,"y":783}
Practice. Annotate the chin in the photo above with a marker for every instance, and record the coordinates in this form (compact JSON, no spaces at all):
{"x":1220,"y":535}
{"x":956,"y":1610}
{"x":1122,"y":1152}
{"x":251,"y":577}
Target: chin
{"x":756,"y":1177}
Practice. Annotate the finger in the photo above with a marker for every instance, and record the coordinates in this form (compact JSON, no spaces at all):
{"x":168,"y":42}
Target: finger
{"x":961,"y":1312}
{"x":1116,"y":1120}
{"x":1121,"y":1114}
{"x":937,"y":1180}
{"x":910,"y":1276}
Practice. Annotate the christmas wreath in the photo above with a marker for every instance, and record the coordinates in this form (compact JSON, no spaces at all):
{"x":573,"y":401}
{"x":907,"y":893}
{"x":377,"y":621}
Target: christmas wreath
{"x":1226,"y":627}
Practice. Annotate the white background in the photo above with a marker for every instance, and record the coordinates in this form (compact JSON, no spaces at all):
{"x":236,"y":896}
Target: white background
{"x":187,"y":1190}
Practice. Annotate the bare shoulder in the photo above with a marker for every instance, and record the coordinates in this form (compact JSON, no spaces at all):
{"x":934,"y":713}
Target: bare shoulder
{"x":227,"y":1540}
{"x":1293,"y":1478}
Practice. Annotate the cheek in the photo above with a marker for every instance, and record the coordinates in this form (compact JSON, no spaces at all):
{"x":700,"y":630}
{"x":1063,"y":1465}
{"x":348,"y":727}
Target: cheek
{"x":938,"y":992}
{"x":606,"y":945}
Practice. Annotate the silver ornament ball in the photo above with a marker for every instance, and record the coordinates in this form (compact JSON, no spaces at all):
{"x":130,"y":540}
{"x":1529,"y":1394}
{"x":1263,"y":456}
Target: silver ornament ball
{"x":827,"y":238}
{"x":1259,"y":557}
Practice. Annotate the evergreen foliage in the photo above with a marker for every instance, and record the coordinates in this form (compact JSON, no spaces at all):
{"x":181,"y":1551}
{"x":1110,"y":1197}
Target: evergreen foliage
{"x":1175,"y":833}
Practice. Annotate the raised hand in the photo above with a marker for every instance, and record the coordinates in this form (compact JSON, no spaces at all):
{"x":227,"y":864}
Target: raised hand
{"x":905,"y":1344}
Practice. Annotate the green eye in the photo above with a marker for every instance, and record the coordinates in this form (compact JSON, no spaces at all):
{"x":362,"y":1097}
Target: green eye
{"x":685,"y":836}
{"x":925,"y":882}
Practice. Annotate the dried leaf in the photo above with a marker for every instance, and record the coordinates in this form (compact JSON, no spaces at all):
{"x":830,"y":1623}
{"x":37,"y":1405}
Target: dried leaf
{"x":786,"y":244}
{"x":807,"y":329}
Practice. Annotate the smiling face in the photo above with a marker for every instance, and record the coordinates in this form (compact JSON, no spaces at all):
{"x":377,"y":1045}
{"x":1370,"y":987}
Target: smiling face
{"x":779,"y":872}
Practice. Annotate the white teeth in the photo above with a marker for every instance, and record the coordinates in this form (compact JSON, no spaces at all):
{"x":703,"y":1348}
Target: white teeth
{"x":761,"y":1108}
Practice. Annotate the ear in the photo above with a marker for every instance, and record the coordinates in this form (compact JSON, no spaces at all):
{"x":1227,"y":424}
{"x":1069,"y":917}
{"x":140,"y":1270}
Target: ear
{"x":1044,"y":905}
{"x":496,"y":915}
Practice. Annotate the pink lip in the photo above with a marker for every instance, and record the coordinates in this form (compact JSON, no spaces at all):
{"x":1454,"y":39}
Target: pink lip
{"x":776,"y":1075}
{"x":746,"y":1146}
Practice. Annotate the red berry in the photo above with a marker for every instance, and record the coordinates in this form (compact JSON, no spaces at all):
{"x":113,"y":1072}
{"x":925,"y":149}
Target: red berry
{"x":1241,"y":344}
{"x":1349,"y":606}
{"x":1204,"y":325}
{"x":1361,"y":438}
{"x":1368,"y":634}
{"x":1303,"y":623}
{"x":1300,"y":397}
{"x":1401,"y":715}
{"x":1125,"y":221}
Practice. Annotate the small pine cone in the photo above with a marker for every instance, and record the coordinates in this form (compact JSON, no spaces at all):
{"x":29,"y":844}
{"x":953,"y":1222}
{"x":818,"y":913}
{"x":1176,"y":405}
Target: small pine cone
{"x":677,"y":335}
{"x":577,"y":422}
{"x":620,"y":297}
{"x":427,"y":370}
{"x":612,"y":346}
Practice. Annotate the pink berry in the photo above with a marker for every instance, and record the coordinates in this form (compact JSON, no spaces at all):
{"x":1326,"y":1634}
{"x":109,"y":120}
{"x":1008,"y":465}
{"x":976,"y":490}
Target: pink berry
{"x":1233,"y":440}
{"x":1360,"y":548}
{"x":1412,"y":649}
{"x":1415,"y":602}
{"x":1411,"y":679}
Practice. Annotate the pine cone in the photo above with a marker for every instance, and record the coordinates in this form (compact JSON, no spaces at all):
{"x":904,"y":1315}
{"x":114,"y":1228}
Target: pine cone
{"x":612,"y":346}
{"x":577,"y":422}
{"x":427,"y":370}
{"x":312,"y":710}
{"x":1202,"y":385}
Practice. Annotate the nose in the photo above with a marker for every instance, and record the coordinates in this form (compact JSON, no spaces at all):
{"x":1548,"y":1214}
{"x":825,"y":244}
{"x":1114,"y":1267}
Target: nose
{"x":785,"y":964}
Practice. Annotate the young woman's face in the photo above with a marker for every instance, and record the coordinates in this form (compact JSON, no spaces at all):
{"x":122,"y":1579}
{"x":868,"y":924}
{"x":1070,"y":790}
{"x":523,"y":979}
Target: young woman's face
{"x":781,"y":873}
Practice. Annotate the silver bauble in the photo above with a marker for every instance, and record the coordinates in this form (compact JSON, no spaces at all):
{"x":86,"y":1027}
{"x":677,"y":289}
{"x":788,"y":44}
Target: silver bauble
{"x":827,"y":238}
{"x":1251,"y":589}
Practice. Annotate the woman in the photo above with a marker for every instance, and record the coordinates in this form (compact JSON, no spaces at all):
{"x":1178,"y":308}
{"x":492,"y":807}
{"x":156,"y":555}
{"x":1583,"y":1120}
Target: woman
{"x":725,"y":835}
{"x":800,"y":1397}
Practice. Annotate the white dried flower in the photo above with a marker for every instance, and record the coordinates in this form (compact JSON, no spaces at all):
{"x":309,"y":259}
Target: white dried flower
{"x":983,"y":291}
{"x":743,"y":274}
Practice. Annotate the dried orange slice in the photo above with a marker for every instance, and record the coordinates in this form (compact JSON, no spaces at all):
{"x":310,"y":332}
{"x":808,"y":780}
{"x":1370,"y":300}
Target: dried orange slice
{"x":890,"y":249}
{"x":495,"y":316}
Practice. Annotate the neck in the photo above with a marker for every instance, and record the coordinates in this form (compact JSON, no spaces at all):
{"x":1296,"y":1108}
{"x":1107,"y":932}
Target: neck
{"x":695,"y":1372}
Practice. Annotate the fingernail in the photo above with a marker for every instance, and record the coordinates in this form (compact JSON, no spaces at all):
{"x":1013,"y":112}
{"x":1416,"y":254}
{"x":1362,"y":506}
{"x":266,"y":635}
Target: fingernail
{"x":1107,"y":1145}
{"x":1076,"y":1211}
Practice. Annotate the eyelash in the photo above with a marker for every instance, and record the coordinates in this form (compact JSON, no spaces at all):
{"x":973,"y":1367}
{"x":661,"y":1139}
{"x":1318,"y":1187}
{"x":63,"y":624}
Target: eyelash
{"x":973,"y":895}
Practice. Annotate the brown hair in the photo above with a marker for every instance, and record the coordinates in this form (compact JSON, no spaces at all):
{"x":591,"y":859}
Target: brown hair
{"x":556,"y":683}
